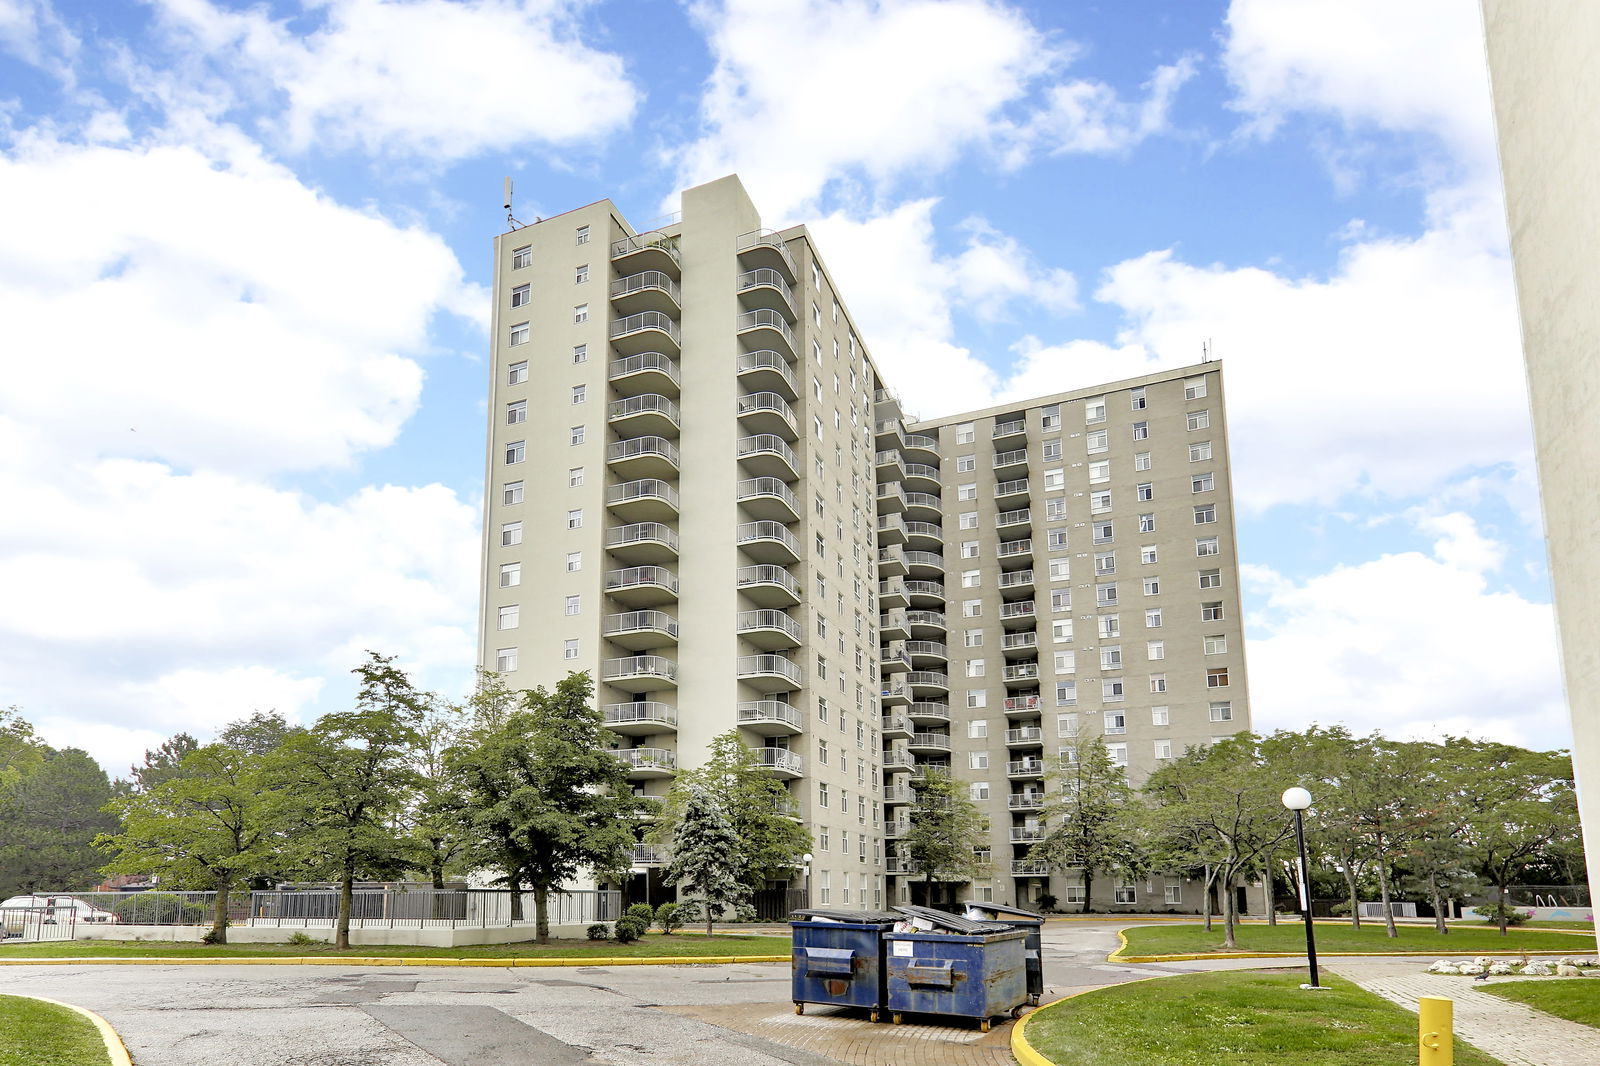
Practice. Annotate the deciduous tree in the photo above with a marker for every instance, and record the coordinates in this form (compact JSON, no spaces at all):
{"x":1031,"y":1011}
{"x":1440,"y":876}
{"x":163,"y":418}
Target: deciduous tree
{"x":1091,"y":819}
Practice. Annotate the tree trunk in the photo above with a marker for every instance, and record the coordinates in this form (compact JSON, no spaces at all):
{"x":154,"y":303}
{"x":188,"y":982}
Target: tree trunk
{"x":219,"y":918}
{"x":514,"y":883}
{"x":1383,"y":891}
{"x":1229,"y":917}
{"x":436,"y":866}
{"x":347,"y":887}
{"x":1355,"y":899}
{"x":1088,"y":890}
{"x":1270,"y":880}
{"x":541,"y":913}
{"x":1439,"y":924}
{"x":1501,"y":892}
{"x":1207,"y":894}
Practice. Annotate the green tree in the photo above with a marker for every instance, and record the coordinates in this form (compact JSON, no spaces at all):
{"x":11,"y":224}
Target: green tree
{"x":347,"y":781}
{"x":263,"y":733}
{"x":1326,"y":763}
{"x":1091,"y":819}
{"x":52,"y":809}
{"x":707,"y":855}
{"x":206,"y":826}
{"x":946,"y":832}
{"x":434,"y":818}
{"x":161,"y":763}
{"x":545,"y":797}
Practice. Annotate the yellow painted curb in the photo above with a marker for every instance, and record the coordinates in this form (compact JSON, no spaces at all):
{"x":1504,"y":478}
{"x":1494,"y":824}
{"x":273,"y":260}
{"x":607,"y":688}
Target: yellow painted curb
{"x":116,"y":1050}
{"x":256,"y":960}
{"x":1028,"y":1055}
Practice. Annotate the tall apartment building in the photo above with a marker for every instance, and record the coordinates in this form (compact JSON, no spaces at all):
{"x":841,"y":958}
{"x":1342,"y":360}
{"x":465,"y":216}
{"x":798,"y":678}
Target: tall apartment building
{"x":700,"y":490}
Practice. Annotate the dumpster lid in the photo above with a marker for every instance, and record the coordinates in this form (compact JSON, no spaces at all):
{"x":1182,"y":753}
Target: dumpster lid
{"x":998,"y":908}
{"x":950,"y":923}
{"x":840,"y":915}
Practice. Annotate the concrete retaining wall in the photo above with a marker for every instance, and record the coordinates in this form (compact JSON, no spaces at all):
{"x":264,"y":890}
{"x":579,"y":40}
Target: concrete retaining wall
{"x":244,"y":934}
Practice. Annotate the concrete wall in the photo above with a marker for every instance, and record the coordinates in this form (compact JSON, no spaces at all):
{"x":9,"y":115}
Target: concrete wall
{"x":244,"y":934}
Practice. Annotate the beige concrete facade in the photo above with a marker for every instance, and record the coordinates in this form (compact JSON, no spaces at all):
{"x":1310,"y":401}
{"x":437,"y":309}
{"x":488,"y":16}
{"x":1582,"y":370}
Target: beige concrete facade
{"x":1547,"y":109}
{"x":699,"y":490}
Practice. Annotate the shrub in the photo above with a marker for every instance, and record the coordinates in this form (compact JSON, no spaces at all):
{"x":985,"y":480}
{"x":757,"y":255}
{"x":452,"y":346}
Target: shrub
{"x":1491,"y":914}
{"x":301,"y":940}
{"x":1046,"y":901}
{"x":628,"y":929}
{"x":599,"y":931}
{"x":642,"y":911}
{"x":668,"y":917}
{"x":210,"y":937}
{"x":690,"y":912}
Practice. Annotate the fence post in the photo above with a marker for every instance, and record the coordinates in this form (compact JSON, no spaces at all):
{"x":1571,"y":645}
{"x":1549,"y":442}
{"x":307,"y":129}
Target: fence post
{"x":1435,"y":1036}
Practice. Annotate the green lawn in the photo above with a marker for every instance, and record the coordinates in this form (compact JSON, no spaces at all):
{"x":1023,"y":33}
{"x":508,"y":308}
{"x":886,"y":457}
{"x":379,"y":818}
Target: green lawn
{"x":43,"y":1034}
{"x":678,"y":945}
{"x":1338,"y":936}
{"x":1233,"y":1019}
{"x":1586,"y":926}
{"x":1573,"y":999}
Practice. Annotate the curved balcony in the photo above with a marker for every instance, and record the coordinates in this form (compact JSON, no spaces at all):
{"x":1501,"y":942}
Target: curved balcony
{"x":640,"y":719}
{"x":926,"y":683}
{"x":929,"y":712}
{"x":634,"y":375}
{"x":886,"y":402}
{"x":1020,"y":615}
{"x":1024,"y":673}
{"x":768,"y":455}
{"x":1024,"y":645}
{"x":767,"y":412}
{"x":772,"y":672}
{"x":640,"y":673}
{"x":648,"y":290}
{"x":891,"y":498}
{"x":1010,"y":434}
{"x":921,"y":477}
{"x":930,"y":766}
{"x":899,"y":797}
{"x":648,"y":413}
{"x":768,"y":586}
{"x":646,"y":763}
{"x":1027,"y":834}
{"x":1030,"y":868}
{"x":895,"y":829}
{"x":892,"y":593}
{"x":643,"y":542}
{"x":926,"y":625}
{"x":1028,"y":800}
{"x":653,"y":250}
{"x":891,"y":529}
{"x":893,"y":626}
{"x":923,"y":507}
{"x":765,"y":247}
{"x":764,"y":328}
{"x":1021,"y":706}
{"x":1028,"y":736}
{"x":781,"y":761}
{"x":643,"y":457}
{"x":889,"y":465}
{"x":768,"y":542}
{"x":892,"y":659}
{"x":770,"y":718}
{"x":927,"y":653}
{"x":899,"y":761}
{"x":922,"y":447}
{"x":640,"y":630}
{"x":924,"y":536}
{"x":1015,"y":552}
{"x":770,"y":630}
{"x":1011,"y":493}
{"x":888,"y":434}
{"x":645,"y":500}
{"x":1014,"y":583}
{"x":925,"y":565}
{"x":766,"y":287}
{"x":896,"y":727}
{"x":929,"y":743}
{"x":642,"y":586}
{"x":893,"y":693}
{"x":1017,"y":519}
{"x":925,"y":593}
{"x":1011,"y":464}
{"x":768,"y":371}
{"x":768,"y":498}
{"x":646,"y":331}
{"x":1019,"y":769}
{"x":891,"y":562}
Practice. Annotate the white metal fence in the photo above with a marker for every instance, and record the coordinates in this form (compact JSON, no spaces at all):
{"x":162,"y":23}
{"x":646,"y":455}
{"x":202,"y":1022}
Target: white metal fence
{"x":32,"y":925}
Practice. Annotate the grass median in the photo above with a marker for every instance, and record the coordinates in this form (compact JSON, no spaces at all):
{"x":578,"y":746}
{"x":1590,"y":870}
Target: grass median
{"x":1232,"y":1019}
{"x":1340,"y":937}
{"x":678,"y":945}
{"x":1575,"y":999}
{"x":43,"y":1034}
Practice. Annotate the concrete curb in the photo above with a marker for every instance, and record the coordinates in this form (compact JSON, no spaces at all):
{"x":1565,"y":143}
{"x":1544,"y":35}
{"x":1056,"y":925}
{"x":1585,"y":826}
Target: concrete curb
{"x":1118,"y":956}
{"x":256,"y":960}
{"x":1028,"y":1055}
{"x":116,"y":1050}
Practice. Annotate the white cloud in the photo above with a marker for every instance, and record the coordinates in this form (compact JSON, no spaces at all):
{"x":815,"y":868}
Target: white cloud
{"x":1090,"y":117}
{"x":431,"y":78}
{"x":31,"y":31}
{"x":1412,"y":644}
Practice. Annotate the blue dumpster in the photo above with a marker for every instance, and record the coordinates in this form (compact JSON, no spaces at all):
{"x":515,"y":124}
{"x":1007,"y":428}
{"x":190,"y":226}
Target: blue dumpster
{"x":838,"y":958}
{"x":1017,"y":918}
{"x":955,"y":966}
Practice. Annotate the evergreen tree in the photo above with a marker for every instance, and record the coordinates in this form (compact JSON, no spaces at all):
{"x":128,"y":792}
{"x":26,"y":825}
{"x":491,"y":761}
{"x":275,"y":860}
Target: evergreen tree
{"x":707,"y":855}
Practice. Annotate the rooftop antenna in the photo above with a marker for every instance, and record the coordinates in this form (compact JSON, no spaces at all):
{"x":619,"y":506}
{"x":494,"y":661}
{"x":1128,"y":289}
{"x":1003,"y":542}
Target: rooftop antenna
{"x":511,"y":220}
{"x":1205,"y":350}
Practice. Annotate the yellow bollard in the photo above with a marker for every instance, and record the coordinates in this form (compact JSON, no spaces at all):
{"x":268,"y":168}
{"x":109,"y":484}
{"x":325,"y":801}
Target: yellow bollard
{"x":1435,"y":1038}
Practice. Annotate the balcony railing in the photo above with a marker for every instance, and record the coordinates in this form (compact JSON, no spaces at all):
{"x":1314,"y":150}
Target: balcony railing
{"x":769,"y":711}
{"x":645,"y":279}
{"x":766,"y":238}
{"x":1016,"y":577}
{"x":1015,"y":547}
{"x":1011,"y":458}
{"x":1011,"y":488}
{"x":647,"y":855}
{"x":940,"y":741}
{"x":646,"y":713}
{"x":750,"y":532}
{"x":764,"y":276}
{"x":649,"y":403}
{"x":921,"y":558}
{"x":1025,"y":801}
{"x":931,"y":678}
{"x":639,"y":666}
{"x":631,"y":576}
{"x":925,"y":588}
{"x":642,"y":241}
{"x":929,"y":709}
{"x":1022,"y":703}
{"x":923,"y":441}
{"x":648,"y":487}
{"x":1021,"y":672}
{"x":767,"y":666}
{"x":767,"y":359}
{"x":1010,"y":429}
{"x":659,"y":362}
{"x":767,"y":443}
{"x":641,"y":532}
{"x":1022,"y":834}
{"x":779,"y":759}
{"x":922,"y":470}
{"x":648,"y":758}
{"x":640,"y":622}
{"x":925,"y":618}
{"x":766,"y":401}
{"x":646,"y":320}
{"x":1030,"y":868}
{"x":769,"y":486}
{"x":767,"y":575}
{"x":923,"y":499}
{"x":1012,"y":641}
{"x":1024,"y":609}
{"x":1025,"y":767}
{"x":776,"y":620}
{"x":894,"y":864}
{"x":639,"y":447}
{"x":766,"y":318}
{"x":1021,"y":516}
{"x":924,"y":529}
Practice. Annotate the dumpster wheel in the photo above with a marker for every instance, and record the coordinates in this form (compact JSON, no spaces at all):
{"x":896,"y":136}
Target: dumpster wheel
{"x":875,"y":1016}
{"x":799,"y":1008}
{"x":896,"y":1018}
{"x":984,"y":1025}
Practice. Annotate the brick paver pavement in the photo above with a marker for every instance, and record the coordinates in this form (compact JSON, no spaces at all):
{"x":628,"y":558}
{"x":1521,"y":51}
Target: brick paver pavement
{"x":1514,"y":1034}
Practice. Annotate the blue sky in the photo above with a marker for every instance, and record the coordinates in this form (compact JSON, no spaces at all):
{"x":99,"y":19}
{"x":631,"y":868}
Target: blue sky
{"x":243,"y":280}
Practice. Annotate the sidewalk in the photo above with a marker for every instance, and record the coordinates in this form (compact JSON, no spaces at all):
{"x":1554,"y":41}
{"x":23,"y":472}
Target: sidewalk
{"x":1514,"y":1034}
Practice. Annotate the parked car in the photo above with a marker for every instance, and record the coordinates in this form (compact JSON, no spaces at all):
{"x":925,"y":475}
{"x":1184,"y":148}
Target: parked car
{"x":53,"y":909}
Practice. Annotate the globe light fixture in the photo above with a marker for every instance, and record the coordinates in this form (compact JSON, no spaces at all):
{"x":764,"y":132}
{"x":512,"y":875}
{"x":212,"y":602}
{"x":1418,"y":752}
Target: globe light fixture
{"x":1298,"y":800}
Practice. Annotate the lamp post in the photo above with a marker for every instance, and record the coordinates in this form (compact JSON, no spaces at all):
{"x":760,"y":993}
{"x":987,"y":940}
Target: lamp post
{"x":1297,"y":800}
{"x":806,"y":858}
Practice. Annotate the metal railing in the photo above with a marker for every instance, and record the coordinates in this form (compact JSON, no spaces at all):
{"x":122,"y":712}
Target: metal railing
{"x":753,"y":620}
{"x":638,"y":364}
{"x":922,"y":470}
{"x":752,"y":488}
{"x":644,"y":488}
{"x":766,"y":238}
{"x":633,"y":576}
{"x":766,"y":318}
{"x":1007,"y":429}
{"x":645,"y":279}
{"x":779,"y":759}
{"x":750,"y":532}
{"x":641,"y":533}
{"x":646,"y":712}
{"x":766,"y":443}
{"x":1011,"y":488}
{"x":768,"y":665}
{"x":638,"y":447}
{"x":652,"y":320}
{"x":1012,"y":518}
{"x":923,"y":441}
{"x":646,"y":403}
{"x":638,"y":666}
{"x":1011,"y":458}
{"x":926,"y":618}
{"x":750,"y":403}
{"x":764,"y":277}
{"x":640,"y":622}
{"x":648,"y":758}
{"x":924,"y":529}
{"x":639,"y":242}
{"x":769,"y":711}
{"x":767,"y":359}
{"x":766,"y":574}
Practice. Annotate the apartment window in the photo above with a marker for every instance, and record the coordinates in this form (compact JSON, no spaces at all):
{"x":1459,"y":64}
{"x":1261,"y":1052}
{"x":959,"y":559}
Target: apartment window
{"x":505,"y":660}
{"x":517,"y":412}
{"x":978,"y":790}
{"x":581,"y":275}
{"x":575,"y":519}
{"x":1194,"y":388}
{"x":509,"y":616}
{"x":1136,"y":399}
{"x":1172,"y":892}
{"x":510,"y":575}
{"x":1222,"y":712}
{"x":1097,"y":441}
{"x":1205,"y":513}
{"x":1099,"y":502}
{"x":1106,"y":595}
{"x":520,"y":334}
{"x":580,"y":393}
{"x":1211,"y":579}
{"x":1147,"y":523}
{"x":966,"y":463}
{"x":1141,"y":431}
{"x":1055,"y":509}
{"x":573,"y":605}
{"x":511,"y":493}
{"x":521,"y":257}
{"x":1199,"y":451}
{"x":977,"y":760}
{"x":1066,"y":693}
{"x":574,"y":477}
{"x":521,"y":295}
{"x":1124,"y":893}
{"x":580,"y":353}
{"x":969,"y":549}
{"x":1094,"y":410}
{"x":970,"y":578}
{"x":1155,"y":650}
{"x":1144,"y":491}
{"x":822,"y":716}
{"x":1202,"y":483}
{"x":977,"y":698}
{"x":582,"y":235}
{"x":510,"y":533}
{"x":1075,"y":893}
{"x":1147,"y":554}
{"x":1099,"y":471}
{"x":1207,"y":546}
{"x":967,"y":492}
{"x":1152,"y":586}
{"x":1141,"y":461}
{"x":569,"y":649}
{"x":1115,"y":723}
{"x":1103,"y":532}
{"x":516,"y":451}
{"x":1217,"y":677}
{"x":1105,"y":562}
{"x":975,"y":667}
{"x":1055,"y":480}
{"x":1111,"y":657}
{"x":1061,"y":631}
{"x":575,"y":435}
{"x":1110,"y":626}
{"x":1199,"y":420}
{"x":816,"y":315}
{"x":1111,"y":690}
{"x":1152,"y":618}
{"x":1060,"y":570}
{"x":978,"y":727}
{"x":1215,"y":644}
{"x":822,"y":752}
{"x":1158,"y":682}
{"x":517,"y":373}
{"x":580,"y":313}
{"x":968,"y":520}
{"x":1056,"y":539}
{"x":973,"y":638}
{"x":1052,"y":449}
{"x":1211,"y":612}
{"x":574,"y":562}
{"x":1066,"y":662}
